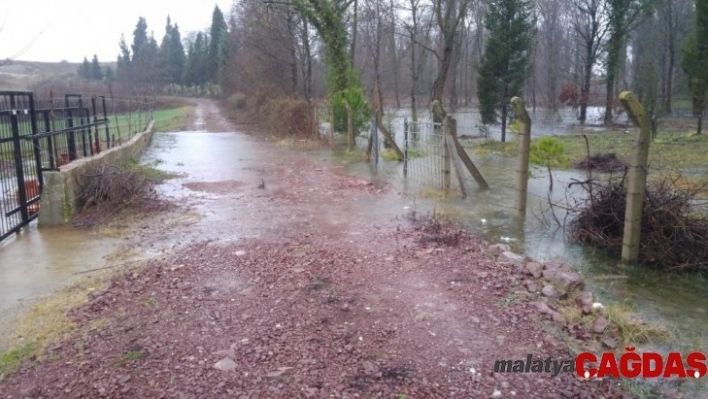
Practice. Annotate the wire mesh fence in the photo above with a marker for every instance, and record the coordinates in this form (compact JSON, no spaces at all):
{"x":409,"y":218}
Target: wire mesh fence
{"x":424,"y":155}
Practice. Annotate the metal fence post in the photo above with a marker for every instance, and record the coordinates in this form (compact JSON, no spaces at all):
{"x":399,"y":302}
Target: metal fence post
{"x":405,"y":146}
{"x":105,"y":118}
{"x":97,"y":142}
{"x":637,"y":177}
{"x":50,"y":140}
{"x":17,"y":149}
{"x":82,"y":122}
{"x":524,"y":143}
{"x":35,"y":141}
{"x":71,"y":137}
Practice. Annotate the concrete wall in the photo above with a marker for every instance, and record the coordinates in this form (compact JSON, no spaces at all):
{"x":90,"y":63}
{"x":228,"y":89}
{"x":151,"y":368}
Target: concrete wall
{"x":62,"y":188}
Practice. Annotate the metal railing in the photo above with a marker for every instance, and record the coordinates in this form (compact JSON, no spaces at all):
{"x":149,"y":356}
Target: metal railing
{"x":46,"y":134}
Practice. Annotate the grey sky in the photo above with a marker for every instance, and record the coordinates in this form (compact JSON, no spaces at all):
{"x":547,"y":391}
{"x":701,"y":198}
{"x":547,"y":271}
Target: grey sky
{"x":70,"y":30}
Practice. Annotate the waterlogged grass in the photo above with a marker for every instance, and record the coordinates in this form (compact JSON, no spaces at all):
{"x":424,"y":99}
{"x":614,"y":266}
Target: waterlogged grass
{"x":489,"y":147}
{"x":149,"y":172}
{"x":391,"y":156}
{"x":634,"y":330}
{"x":46,"y":323}
{"x":667,"y":150}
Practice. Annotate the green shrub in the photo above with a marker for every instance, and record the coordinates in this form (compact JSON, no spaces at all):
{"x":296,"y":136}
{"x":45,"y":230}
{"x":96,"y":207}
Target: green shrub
{"x":353,"y":96}
{"x":549,"y":152}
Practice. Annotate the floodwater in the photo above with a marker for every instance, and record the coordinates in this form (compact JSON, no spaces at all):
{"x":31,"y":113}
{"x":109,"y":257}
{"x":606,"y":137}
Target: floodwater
{"x":677,"y":302}
{"x":546,"y":122}
{"x":37,"y":262}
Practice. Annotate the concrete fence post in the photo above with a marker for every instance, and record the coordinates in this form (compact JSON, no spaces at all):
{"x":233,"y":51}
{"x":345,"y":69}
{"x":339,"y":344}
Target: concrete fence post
{"x":637,"y":177}
{"x":522,"y":174}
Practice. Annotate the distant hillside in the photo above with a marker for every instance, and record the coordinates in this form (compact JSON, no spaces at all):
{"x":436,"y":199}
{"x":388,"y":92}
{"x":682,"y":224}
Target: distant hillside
{"x":25,"y":75}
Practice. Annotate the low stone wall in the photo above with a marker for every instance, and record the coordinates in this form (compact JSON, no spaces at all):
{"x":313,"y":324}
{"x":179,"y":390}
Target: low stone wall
{"x":61,"y":188}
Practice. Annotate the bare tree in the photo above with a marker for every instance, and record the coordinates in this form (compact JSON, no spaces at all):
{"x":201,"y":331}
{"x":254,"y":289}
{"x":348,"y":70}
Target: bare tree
{"x":590,"y":26}
{"x":551,"y":41}
{"x":414,"y":29}
{"x":673,"y":15}
{"x":448,"y":15}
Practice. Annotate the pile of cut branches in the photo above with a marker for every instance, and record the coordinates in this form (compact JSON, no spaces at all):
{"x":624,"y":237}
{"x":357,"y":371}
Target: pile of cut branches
{"x":606,"y":163}
{"x":106,"y":189}
{"x":674,"y":234}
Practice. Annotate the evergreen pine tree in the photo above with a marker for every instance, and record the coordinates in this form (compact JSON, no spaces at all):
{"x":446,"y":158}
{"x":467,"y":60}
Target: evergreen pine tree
{"x":215,"y":53}
{"x":109,"y":75}
{"x":172,"y":55}
{"x":96,"y":73}
{"x":85,"y":69}
{"x":123,"y":62}
{"x":507,"y":56}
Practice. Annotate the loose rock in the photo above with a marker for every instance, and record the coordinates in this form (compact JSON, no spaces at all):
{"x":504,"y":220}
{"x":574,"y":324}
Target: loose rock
{"x":599,"y":325}
{"x":225,"y":364}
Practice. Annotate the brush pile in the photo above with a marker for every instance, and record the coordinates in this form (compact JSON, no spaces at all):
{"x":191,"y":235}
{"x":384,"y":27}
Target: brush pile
{"x":605,"y":163}
{"x":674,"y":235}
{"x":107,"y":189}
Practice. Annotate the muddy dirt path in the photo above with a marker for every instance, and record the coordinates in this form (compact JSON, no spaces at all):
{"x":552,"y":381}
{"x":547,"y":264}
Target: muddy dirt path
{"x":276,"y":279}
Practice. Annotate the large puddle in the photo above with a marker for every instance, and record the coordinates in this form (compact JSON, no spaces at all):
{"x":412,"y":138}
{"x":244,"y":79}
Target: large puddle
{"x":37,"y":262}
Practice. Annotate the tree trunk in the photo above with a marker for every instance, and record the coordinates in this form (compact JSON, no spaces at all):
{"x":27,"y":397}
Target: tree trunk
{"x":350,"y":127}
{"x":670,"y":79}
{"x":613,"y":57}
{"x":699,"y":130}
{"x":504,"y":110}
{"x":439,"y":85}
{"x":414,"y":67}
{"x":307,"y":83}
{"x":394,"y":57}
{"x":355,"y":28}
{"x":585,"y":90}
{"x":290,"y":20}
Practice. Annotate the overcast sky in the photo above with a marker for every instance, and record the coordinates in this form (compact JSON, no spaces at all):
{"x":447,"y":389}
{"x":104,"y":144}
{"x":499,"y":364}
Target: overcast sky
{"x":56,"y":30}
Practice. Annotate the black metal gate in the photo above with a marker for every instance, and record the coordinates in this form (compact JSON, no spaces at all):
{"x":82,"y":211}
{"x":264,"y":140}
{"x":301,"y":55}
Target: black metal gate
{"x":20,"y":159}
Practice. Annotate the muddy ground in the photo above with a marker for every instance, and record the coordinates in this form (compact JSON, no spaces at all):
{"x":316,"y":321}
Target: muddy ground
{"x":303,"y":290}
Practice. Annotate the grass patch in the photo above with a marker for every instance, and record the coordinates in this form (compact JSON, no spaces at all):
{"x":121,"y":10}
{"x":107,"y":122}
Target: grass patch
{"x":46,"y":323}
{"x":507,"y":149}
{"x":668,"y":150}
{"x":390,"y":155}
{"x":170,"y":120}
{"x":11,"y":360}
{"x":433,"y":193}
{"x":149,"y":172}
{"x":624,"y":323}
{"x":632,"y":329}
